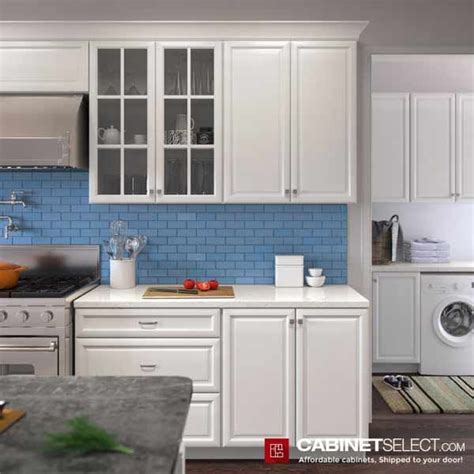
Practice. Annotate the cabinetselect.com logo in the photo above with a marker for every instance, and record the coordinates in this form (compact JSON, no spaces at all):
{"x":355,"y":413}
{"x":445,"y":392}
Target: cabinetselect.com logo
{"x":277,"y":450}
{"x":418,"y":451}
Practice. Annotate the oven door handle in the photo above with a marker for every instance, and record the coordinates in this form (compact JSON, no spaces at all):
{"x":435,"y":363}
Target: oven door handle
{"x":49,"y":348}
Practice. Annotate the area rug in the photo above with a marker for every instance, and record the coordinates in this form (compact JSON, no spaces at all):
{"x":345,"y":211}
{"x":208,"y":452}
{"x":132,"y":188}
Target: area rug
{"x":430,"y":395}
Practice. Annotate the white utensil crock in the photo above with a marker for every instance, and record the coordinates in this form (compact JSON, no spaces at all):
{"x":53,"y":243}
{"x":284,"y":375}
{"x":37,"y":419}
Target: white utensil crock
{"x":122,"y":274}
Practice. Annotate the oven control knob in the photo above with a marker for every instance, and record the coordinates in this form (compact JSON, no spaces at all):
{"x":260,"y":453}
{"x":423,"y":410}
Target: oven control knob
{"x":22,"y":316}
{"x":46,"y":316}
{"x":3,"y":316}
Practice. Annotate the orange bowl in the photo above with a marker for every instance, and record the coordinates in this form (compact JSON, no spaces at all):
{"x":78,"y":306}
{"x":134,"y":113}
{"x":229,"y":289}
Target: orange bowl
{"x":9,"y":278}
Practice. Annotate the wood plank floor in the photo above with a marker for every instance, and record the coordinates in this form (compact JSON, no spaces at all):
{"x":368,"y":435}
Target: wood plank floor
{"x":459,"y":428}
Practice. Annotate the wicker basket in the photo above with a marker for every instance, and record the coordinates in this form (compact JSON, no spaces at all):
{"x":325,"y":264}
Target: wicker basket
{"x":382,"y":241}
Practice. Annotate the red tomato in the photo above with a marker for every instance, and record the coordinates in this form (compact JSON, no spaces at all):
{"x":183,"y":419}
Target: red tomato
{"x":189,"y":284}
{"x":213,"y":284}
{"x":203,"y":286}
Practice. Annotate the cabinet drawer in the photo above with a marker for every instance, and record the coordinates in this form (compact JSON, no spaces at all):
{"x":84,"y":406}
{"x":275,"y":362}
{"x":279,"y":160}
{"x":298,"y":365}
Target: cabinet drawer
{"x":113,"y":322}
{"x":203,"y":423}
{"x":197,"y":359}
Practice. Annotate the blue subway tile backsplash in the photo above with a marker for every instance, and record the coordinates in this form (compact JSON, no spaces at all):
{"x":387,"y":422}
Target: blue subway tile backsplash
{"x":235,"y":243}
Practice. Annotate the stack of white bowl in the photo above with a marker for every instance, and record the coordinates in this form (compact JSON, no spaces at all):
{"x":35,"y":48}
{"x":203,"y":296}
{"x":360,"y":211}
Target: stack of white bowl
{"x":315,"y":277}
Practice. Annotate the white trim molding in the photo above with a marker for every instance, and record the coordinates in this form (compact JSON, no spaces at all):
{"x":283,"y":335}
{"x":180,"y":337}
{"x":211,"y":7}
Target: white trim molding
{"x":181,"y":30}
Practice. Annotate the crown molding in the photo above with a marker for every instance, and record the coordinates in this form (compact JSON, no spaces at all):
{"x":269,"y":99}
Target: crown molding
{"x":179,"y":30}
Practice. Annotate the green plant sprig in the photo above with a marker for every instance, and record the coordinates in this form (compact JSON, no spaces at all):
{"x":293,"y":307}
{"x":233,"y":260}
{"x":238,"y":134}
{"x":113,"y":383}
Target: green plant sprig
{"x":84,"y":437}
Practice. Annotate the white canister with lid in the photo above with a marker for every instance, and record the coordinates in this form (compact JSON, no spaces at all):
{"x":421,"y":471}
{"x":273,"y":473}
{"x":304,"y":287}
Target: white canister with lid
{"x":289,"y":271}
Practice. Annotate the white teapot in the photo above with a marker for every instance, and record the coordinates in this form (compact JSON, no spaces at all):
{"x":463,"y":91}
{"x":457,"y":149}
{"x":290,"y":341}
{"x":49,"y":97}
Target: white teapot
{"x":110,"y":135}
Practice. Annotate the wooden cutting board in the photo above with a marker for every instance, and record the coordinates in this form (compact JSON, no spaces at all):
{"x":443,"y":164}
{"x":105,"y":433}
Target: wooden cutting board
{"x":221,"y":292}
{"x":10,"y":417}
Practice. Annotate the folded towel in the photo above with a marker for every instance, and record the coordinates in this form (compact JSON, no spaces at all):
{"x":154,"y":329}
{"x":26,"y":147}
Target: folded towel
{"x":428,"y":260}
{"x":414,"y":245}
{"x":427,"y":253}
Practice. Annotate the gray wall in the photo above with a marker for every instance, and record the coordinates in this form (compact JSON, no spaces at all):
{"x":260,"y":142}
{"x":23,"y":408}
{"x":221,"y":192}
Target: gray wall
{"x":392,"y":22}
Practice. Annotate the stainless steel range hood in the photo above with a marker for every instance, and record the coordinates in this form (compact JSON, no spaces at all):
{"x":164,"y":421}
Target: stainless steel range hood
{"x":43,"y":131}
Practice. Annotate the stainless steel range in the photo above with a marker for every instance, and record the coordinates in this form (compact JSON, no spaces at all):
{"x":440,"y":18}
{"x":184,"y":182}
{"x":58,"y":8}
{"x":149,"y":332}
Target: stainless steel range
{"x":36,"y":317}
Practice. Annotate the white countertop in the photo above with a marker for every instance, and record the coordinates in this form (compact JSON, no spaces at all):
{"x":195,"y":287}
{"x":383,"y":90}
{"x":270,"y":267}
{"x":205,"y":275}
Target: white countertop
{"x":460,"y":266}
{"x":252,"y":296}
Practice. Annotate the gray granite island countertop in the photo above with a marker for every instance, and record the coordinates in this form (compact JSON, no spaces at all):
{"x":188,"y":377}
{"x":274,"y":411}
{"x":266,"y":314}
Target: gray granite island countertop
{"x":147,"y":414}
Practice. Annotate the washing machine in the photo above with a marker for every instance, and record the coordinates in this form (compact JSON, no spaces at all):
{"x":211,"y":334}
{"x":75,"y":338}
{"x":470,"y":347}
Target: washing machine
{"x":447,"y":324}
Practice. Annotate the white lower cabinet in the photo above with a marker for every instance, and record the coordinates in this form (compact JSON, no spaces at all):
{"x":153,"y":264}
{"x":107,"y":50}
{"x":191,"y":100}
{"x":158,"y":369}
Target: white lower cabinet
{"x":258,"y":377}
{"x":396,"y":315}
{"x":286,"y":372}
{"x":203,"y":426}
{"x":332,"y":383}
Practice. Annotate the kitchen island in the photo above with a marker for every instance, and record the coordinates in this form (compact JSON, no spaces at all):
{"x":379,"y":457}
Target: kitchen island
{"x":147,"y":414}
{"x":271,"y":362}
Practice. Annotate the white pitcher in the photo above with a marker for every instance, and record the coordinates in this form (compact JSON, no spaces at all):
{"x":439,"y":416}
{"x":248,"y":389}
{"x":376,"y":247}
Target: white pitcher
{"x":182,"y":122}
{"x":110,"y":135}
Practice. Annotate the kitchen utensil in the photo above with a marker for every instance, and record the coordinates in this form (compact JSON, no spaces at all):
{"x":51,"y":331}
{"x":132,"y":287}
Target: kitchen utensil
{"x":110,"y":135}
{"x":117,"y":246}
{"x":135,"y":244}
{"x":9,"y":416}
{"x":9,"y":278}
{"x":183,"y":291}
{"x":315,"y":272}
{"x":118,"y":227}
{"x":154,"y":292}
{"x":315,"y":281}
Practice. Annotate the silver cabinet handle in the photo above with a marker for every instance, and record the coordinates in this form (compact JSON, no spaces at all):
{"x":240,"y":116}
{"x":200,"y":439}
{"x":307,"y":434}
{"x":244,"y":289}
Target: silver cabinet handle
{"x":287,"y":192}
{"x":49,"y":348}
{"x":148,"y":324}
{"x":148,"y":367}
{"x":300,"y":321}
{"x":292,"y":321}
{"x":295,"y":192}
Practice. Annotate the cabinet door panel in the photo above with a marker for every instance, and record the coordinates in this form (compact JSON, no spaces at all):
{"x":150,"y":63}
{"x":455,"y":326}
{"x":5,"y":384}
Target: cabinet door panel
{"x":465,"y":146}
{"x":258,"y":374}
{"x":396,"y":311}
{"x":432,"y":147}
{"x":122,"y":122}
{"x":332,"y":373}
{"x":390,"y":147}
{"x":204,"y":421}
{"x":44,"y":66}
{"x":257,"y":125}
{"x":323,"y":155}
{"x":189,"y":122}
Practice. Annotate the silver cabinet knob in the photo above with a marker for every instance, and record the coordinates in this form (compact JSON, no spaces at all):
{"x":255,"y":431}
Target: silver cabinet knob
{"x":295,"y":192}
{"x":46,"y":316}
{"x":287,"y":192}
{"x":292,"y":322}
{"x":3,"y":316}
{"x":300,"y":321}
{"x":158,"y":191}
{"x":22,"y":316}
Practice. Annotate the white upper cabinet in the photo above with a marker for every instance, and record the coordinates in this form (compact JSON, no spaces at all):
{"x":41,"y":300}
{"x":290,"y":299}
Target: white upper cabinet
{"x":256,"y":122}
{"x":432,"y":148}
{"x":465,"y":146}
{"x":323,"y":121}
{"x":122,"y":154}
{"x":44,"y":66}
{"x":188,"y":118}
{"x":390,"y":147}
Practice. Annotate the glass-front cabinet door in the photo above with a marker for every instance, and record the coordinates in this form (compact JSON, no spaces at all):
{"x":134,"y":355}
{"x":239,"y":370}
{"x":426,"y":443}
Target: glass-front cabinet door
{"x":122,"y":130}
{"x":188,"y":115}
